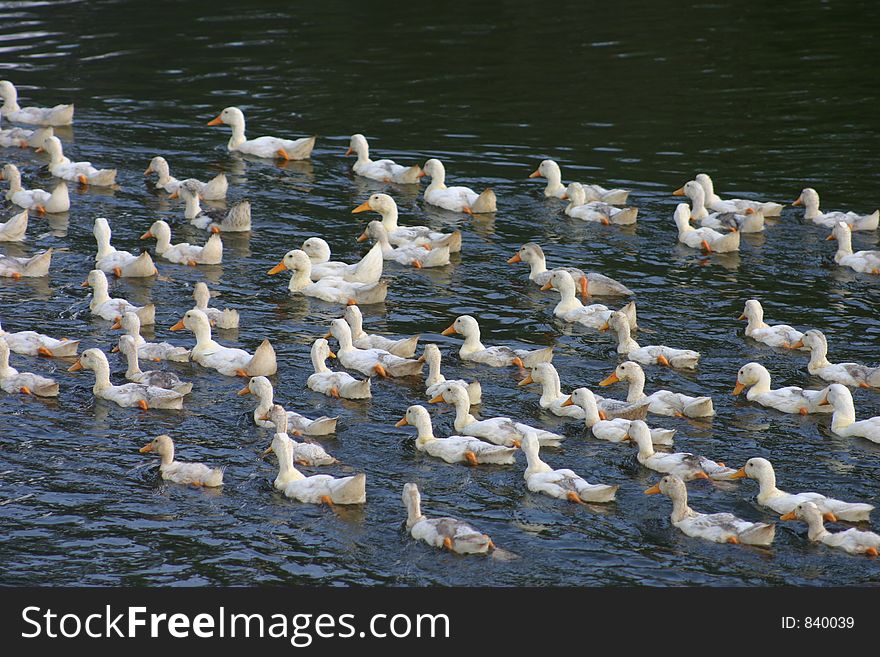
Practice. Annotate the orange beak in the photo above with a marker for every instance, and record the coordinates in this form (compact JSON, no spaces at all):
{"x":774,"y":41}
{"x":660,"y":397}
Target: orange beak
{"x":798,"y":344}
{"x":653,"y":490}
{"x":146,"y":235}
{"x":179,"y":326}
{"x":830,"y":237}
{"x":605,"y":327}
{"x":330,"y":354}
{"x":739,"y":474}
{"x":146,"y":448}
{"x":174,"y":194}
{"x":117,"y":324}
{"x":363,"y":207}
{"x":76,"y":367}
{"x":216,"y":121}
{"x":568,"y":402}
{"x":244,"y":391}
{"x":743,"y":316}
{"x":738,"y":388}
{"x":349,"y":151}
{"x":535,"y":174}
{"x":436,"y":400}
{"x":612,"y":378}
{"x":362,"y":237}
{"x":422,"y":174}
{"x":678,"y":192}
{"x":798,"y":201}
{"x":146,"y":173}
{"x":84,"y":284}
{"x":277,"y":269}
{"x":401,"y":422}
{"x":514,"y":259}
{"x":789,"y":516}
{"x":547,"y":286}
{"x":526,"y":381}
{"x":449,"y":331}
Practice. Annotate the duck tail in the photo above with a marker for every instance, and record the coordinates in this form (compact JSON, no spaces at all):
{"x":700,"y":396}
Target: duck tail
{"x":486,"y":202}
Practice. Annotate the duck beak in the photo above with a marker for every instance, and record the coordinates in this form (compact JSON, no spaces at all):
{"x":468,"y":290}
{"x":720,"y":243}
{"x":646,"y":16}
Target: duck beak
{"x":149,"y":170}
{"x":436,"y":400}
{"x":422,"y":174}
{"x":653,"y":490}
{"x":514,"y":259}
{"x":526,"y":381}
{"x":330,"y":354}
{"x":788,"y":516}
{"x":829,"y":517}
{"x":327,"y":335}
{"x":84,"y":284}
{"x":277,"y":269}
{"x":178,"y":327}
{"x":605,"y":327}
{"x":678,"y":192}
{"x":362,"y":237}
{"x":568,"y":402}
{"x":146,"y":235}
{"x":215,"y":121}
{"x":146,"y":448}
{"x":743,"y":316}
{"x":349,"y":151}
{"x":547,"y":286}
{"x":535,"y":174}
{"x":564,"y":197}
{"x":76,"y":367}
{"x":265,"y":415}
{"x":363,"y":207}
{"x":117,"y":324}
{"x":739,"y":474}
{"x":798,"y":344}
{"x":401,"y":422}
{"x":612,"y":378}
{"x":174,"y":194}
{"x":738,"y":388}
{"x":245,"y":391}
{"x":830,"y":237}
{"x":798,"y":201}
{"x":449,"y":331}
{"x":824,"y":401}
{"x":266,"y":452}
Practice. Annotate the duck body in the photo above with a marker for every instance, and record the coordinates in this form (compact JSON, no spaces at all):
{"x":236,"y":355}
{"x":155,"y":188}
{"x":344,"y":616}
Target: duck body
{"x":706,"y":239}
{"x":261,"y":388}
{"x":121,"y":263}
{"x":844,"y":422}
{"x":852,"y":541}
{"x":328,"y":288}
{"x":588,"y":283}
{"x":129,"y":394}
{"x":386,"y":171}
{"x":370,"y":361}
{"x":225,"y":318}
{"x":579,"y":207}
{"x":435,"y":380}
{"x":661,"y":402}
{"x":735,"y":205}
{"x":317,"y":489}
{"x":268,"y":147}
{"x":456,"y":199}
{"x":778,"y":335}
{"x":367,"y":270}
{"x":301,"y":453}
{"x":562,"y":484}
{"x":213,"y":190}
{"x":619,"y":322}
{"x":749,"y":221}
{"x":615,"y":429}
{"x":405,"y":347}
{"x":450,"y":533}
{"x":179,"y":472}
{"x":550,"y":170}
{"x":684,"y":465}
{"x":867,"y":262}
{"x":454,"y":449}
{"x":34,"y":267}
{"x":226,"y":360}
{"x":407,"y":235}
{"x":13,"y":381}
{"x":849,"y":374}
{"x":81,"y":172}
{"x":31,"y":343}
{"x":157,"y":378}
{"x":184,"y":253}
{"x":500,"y":356}
{"x":334,"y":384}
{"x":48,"y":116}
{"x":809,"y":198}
{"x":154,"y":351}
{"x":571,"y":310}
{"x":790,"y":399}
{"x":105,"y":307}
{"x":39,"y":200}
{"x":419,"y":256}
{"x":237,"y":219}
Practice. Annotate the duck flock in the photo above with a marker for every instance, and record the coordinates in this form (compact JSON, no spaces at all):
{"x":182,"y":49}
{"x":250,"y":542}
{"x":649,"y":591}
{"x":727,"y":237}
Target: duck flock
{"x":366,"y":359}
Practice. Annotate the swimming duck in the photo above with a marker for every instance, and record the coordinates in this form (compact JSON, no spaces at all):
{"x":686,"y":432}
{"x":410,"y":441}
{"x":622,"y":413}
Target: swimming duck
{"x":407,"y":235}
{"x":790,"y":399}
{"x":103,"y":306}
{"x":473,"y":350}
{"x":26,"y":383}
{"x":34,"y":267}
{"x":382,"y":170}
{"x":329,"y":288}
{"x":588,"y":283}
{"x":366,"y":270}
{"x":457,"y":199}
{"x":849,"y":374}
{"x":31,"y":343}
{"x":58,"y":200}
{"x":662,"y":402}
{"x":749,"y":221}
{"x":184,"y":253}
{"x":227,"y":318}
{"x":707,"y":239}
{"x":571,"y":310}
{"x":129,"y":394}
{"x":454,"y":449}
{"x":270,"y":147}
{"x":418,"y":256}
{"x":213,"y":190}
{"x":552,"y":397}
{"x":682,"y":464}
{"x":317,"y":489}
{"x":82,"y":172}
{"x":561,"y":484}
{"x":809,"y":198}
{"x":308,"y":454}
{"x":659,"y":354}
{"x":405,"y":348}
{"x":450,"y":533}
{"x":862,"y":261}
{"x":550,"y":170}
{"x":370,"y":361}
{"x":192,"y":474}
{"x":15,"y":229}
{"x":120,"y":263}
{"x":843,"y":422}
{"x":237,"y":219}
{"x":613,"y":430}
{"x":778,"y":335}
{"x":779,"y":501}
{"x":596,"y":211}
{"x":330,"y":383}
{"x":435,"y":379}
{"x":854,"y":541}
{"x":716,"y":527}
{"x":155,"y":351}
{"x":736,"y":205}
{"x":694,"y":191}
{"x":231,"y":362}
{"x":497,"y":430}
{"x":14,"y":137}
{"x":11,"y":111}
{"x":261,"y":388}
{"x":158,"y":378}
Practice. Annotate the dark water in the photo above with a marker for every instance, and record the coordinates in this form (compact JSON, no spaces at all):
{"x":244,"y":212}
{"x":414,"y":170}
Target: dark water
{"x":768,"y":99}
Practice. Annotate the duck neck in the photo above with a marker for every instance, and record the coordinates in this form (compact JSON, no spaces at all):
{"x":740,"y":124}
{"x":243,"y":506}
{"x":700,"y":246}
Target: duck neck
{"x":811,"y":208}
{"x":568,"y":301}
{"x":463,"y":416}
{"x":535,"y":464}
{"x":5,"y":369}
{"x":538,"y":265}
{"x":286,"y":470}
{"x":680,"y":508}
{"x":345,"y":341}
{"x":625,"y":342}
{"x":163,"y":241}
{"x":56,"y":157}
{"x":760,"y":386}
{"x":767,"y":486}
{"x":363,"y":154}
{"x":551,"y":389}
{"x":413,"y":512}
{"x":264,"y":402}
{"x":438,"y":181}
{"x":102,"y":237}
{"x":134,"y":368}
{"x":844,"y":414}
{"x":816,"y":528}
{"x":319,"y":362}
{"x":389,"y":218}
{"x":844,"y":245}
{"x":10,"y":101}
{"x":434,"y":375}
{"x":818,"y":358}
{"x":425,"y":431}
{"x":356,"y":324}
{"x":237,"y":138}
{"x":300,"y":278}
{"x":102,"y":377}
{"x":193,"y":207}
{"x":99,"y":294}
{"x":636,"y":391}
{"x":591,"y":415}
{"x":471,"y":344}
{"x":166,"y":457}
{"x":554,"y":182}
{"x":756,"y":321}
{"x":14,"y":178}
{"x":202,"y":332}
{"x":646,"y":448}
{"x":698,"y":205}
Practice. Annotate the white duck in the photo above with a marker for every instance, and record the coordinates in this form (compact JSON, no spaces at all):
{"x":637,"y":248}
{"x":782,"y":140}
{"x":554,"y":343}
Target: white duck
{"x":450,"y":533}
{"x":779,"y":501}
{"x":561,"y":484}
{"x":126,"y":395}
{"x":15,"y":137}
{"x":317,"y":489}
{"x":154,"y":351}
{"x":15,"y":229}
{"x":11,"y":111}
{"x":473,"y":350}
{"x":570,"y":309}
{"x":809,"y":198}
{"x":849,"y":374}
{"x":716,"y":527}
{"x":405,"y":347}
{"x":370,"y":361}
{"x":366,"y":270}
{"x":237,"y":219}
{"x":454,"y":449}
{"x":552,"y":398}
{"x":843,"y":422}
{"x":749,"y":221}
{"x":435,"y":380}
{"x":227,"y":318}
{"x":81,"y":172}
{"x":555,"y":189}
{"x":418,"y":256}
{"x":387,"y":171}
{"x":34,"y":267}
{"x":496,"y":430}
{"x":120,"y":263}
{"x":330,"y":383}
{"x":184,"y":253}
{"x":662,"y":402}
{"x":271,"y":147}
{"x":867,"y":262}
{"x":778,"y":335}
{"x":654,"y":354}
{"x":407,"y":235}
{"x":39,"y":200}
{"x":329,"y":288}
{"x":261,"y":388}
{"x":213,"y":190}
{"x":457,"y":199}
{"x":613,"y":430}
{"x":707,"y":239}
{"x":228,"y":361}
{"x":685,"y":465}
{"x":589,"y":283}
{"x":596,"y":211}
{"x":158,"y":378}
{"x":735,"y":205}
{"x":191,"y":474}
{"x":31,"y":343}
{"x":308,"y":454}
{"x":791,"y":399}
{"x":107,"y":308}
{"x":853,"y":541}
{"x":26,"y":383}
{"x":726,"y":214}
